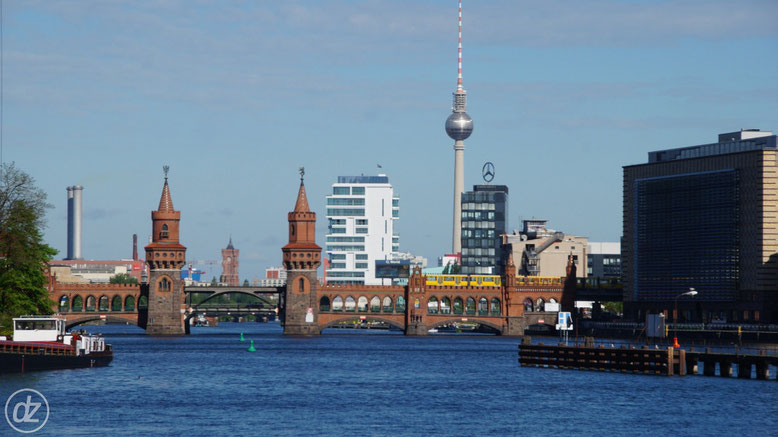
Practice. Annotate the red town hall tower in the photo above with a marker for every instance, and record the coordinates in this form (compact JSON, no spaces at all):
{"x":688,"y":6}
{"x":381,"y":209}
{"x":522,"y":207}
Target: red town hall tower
{"x":230,"y":266}
{"x":301,"y":259}
{"x":165,"y":257}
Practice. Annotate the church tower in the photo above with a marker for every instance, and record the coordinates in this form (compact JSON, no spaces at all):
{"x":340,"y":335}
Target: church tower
{"x":165,"y":257}
{"x":301,"y":260}
{"x":230,"y":266}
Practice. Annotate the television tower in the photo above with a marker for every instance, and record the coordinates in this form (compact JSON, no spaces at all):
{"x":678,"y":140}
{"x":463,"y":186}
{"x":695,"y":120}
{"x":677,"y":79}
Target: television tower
{"x":459,"y":126}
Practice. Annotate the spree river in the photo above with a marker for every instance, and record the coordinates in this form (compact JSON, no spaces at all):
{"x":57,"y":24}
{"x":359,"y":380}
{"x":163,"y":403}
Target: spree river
{"x":364,"y":383}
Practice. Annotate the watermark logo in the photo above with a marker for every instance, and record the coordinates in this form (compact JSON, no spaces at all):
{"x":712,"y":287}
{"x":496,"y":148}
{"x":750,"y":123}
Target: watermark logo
{"x":24,"y":412}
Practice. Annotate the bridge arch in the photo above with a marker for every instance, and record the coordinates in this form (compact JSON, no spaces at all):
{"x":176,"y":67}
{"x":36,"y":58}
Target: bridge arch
{"x":351,"y":318}
{"x":490,"y":324}
{"x":226,"y":292}
{"x":71,"y":323}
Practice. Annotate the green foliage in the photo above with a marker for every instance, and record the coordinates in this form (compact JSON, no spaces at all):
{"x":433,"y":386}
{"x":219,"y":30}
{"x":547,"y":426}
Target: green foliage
{"x":613,"y":307}
{"x":246,"y":283}
{"x":452,"y":268}
{"x":122,"y":278}
{"x":23,"y":255}
{"x":214,"y":282}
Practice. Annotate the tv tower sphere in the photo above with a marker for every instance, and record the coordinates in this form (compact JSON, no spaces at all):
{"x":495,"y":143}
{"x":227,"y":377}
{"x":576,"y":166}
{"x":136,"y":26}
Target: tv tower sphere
{"x":459,"y":126}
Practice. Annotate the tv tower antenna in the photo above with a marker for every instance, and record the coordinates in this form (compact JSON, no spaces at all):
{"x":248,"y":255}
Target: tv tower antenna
{"x":459,"y":126}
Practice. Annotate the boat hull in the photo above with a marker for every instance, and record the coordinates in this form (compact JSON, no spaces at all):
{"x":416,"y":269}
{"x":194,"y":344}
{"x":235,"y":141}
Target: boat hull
{"x":17,"y":362}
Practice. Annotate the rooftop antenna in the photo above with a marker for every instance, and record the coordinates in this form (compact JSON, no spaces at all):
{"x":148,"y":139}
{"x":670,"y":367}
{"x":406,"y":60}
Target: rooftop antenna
{"x":459,"y":69}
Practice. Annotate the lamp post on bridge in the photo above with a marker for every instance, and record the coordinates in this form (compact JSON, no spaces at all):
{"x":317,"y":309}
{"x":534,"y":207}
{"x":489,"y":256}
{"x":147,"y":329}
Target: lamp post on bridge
{"x":691,"y":292}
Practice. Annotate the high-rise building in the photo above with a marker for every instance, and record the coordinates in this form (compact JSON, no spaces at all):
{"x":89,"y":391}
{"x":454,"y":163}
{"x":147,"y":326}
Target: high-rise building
{"x":484,"y":216}
{"x":230,"y":265}
{"x":705,"y":218}
{"x":361,"y":211}
{"x":603,"y":260}
{"x":459,"y":126}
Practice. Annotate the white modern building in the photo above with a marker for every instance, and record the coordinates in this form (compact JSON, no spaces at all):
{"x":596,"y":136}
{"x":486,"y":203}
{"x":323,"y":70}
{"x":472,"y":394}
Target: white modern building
{"x":361,"y":212}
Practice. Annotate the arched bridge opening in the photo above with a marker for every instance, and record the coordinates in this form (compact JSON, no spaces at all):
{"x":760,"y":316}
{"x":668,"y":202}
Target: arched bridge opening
{"x":372,"y":323}
{"x":471,"y":326}
{"x":77,"y":321}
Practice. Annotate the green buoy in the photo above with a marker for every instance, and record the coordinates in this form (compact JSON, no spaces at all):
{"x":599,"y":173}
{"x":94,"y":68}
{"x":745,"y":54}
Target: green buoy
{"x":251,"y":347}
{"x":241,"y":337}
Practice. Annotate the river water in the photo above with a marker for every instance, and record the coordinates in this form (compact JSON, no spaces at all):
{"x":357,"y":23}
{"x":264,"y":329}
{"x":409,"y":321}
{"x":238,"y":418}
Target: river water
{"x":364,"y":383}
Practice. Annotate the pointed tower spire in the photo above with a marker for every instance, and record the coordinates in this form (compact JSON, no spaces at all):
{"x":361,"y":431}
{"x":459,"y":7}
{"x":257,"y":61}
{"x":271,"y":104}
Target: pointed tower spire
{"x":302,"y":199}
{"x":229,"y":246}
{"x":165,"y":201}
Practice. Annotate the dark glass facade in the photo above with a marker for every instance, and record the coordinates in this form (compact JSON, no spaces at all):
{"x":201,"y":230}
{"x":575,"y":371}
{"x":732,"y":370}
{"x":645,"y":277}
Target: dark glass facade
{"x":484,"y":217}
{"x":687,"y":236}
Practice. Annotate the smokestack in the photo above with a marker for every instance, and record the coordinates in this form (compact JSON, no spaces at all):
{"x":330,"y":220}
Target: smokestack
{"x":70,"y":224}
{"x":134,"y":247}
{"x":74,"y":222}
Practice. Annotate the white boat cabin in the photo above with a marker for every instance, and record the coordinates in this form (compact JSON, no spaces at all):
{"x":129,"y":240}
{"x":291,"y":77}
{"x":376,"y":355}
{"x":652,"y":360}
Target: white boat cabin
{"x":35,"y":328}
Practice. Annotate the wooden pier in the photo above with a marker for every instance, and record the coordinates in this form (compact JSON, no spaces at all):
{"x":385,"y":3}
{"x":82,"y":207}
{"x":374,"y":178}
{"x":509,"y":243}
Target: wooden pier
{"x":666,"y":361}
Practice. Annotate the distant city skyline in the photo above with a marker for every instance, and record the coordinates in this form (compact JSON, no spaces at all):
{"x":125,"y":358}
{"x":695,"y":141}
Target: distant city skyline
{"x":236,"y":97}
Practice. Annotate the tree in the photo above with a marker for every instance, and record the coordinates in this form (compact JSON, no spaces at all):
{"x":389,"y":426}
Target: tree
{"x":24,"y":256}
{"x":122,"y":278}
{"x":214,"y":282}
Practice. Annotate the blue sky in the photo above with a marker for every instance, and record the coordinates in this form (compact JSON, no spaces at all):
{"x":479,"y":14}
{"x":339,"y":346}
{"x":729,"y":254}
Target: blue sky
{"x":235,"y":96}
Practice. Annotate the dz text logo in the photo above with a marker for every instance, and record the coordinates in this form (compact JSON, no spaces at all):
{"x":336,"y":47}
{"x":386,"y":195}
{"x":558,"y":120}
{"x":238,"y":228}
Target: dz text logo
{"x":27,"y":410}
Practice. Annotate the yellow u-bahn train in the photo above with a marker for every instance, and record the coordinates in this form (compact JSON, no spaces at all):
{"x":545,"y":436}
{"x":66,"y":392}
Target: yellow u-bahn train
{"x":488,"y":280}
{"x":464,"y":280}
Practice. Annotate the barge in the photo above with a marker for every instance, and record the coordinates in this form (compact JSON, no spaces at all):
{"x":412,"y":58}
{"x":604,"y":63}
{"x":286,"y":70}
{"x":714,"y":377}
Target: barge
{"x":40,"y":343}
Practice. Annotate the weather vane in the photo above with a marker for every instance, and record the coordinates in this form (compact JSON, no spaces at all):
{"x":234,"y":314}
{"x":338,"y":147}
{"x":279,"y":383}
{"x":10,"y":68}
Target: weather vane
{"x":165,"y":169}
{"x":302,"y":173}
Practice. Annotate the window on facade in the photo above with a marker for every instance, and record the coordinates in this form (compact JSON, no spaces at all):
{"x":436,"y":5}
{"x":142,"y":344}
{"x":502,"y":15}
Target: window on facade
{"x":361,"y":256}
{"x":358,"y":190}
{"x":164,"y":233}
{"x":361,"y":222}
{"x":163,"y":285}
{"x":341,"y":190}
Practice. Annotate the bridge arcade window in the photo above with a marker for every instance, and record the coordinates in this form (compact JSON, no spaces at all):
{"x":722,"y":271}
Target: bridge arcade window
{"x":400,"y":307}
{"x":337,"y":304}
{"x":470,"y":306}
{"x":324,"y":303}
{"x":78,"y":304}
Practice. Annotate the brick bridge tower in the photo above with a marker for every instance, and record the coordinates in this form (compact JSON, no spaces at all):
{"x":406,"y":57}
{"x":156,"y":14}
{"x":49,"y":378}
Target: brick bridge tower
{"x":165,"y":257}
{"x":230,"y":265}
{"x":301,"y":260}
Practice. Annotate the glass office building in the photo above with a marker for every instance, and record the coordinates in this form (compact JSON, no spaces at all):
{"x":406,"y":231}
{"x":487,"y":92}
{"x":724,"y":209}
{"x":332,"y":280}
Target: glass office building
{"x":484,"y":218}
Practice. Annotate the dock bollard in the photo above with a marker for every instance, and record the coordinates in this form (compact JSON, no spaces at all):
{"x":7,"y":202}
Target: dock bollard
{"x":251,"y":347}
{"x":241,"y":337}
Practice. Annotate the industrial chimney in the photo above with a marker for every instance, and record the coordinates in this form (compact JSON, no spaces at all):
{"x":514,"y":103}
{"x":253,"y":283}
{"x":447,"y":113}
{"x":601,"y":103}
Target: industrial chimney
{"x":74,"y":222}
{"x":134,"y":247}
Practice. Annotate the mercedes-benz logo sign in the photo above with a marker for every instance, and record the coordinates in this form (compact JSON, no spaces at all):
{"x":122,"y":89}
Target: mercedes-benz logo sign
{"x":488,"y":172}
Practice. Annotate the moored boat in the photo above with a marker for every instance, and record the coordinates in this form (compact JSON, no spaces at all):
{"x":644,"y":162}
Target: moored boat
{"x":40,"y":343}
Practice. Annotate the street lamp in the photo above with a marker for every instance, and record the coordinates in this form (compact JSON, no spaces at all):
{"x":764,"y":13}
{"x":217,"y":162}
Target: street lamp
{"x":691,"y":292}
